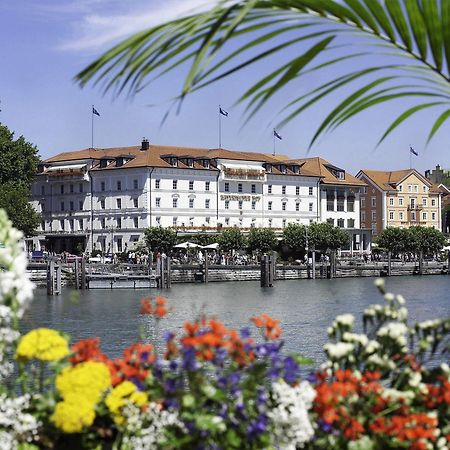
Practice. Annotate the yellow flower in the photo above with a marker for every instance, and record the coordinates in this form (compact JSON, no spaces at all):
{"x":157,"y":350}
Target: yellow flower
{"x":125,"y":392}
{"x":43,"y":344}
{"x":72,"y":417}
{"x":86,"y":380}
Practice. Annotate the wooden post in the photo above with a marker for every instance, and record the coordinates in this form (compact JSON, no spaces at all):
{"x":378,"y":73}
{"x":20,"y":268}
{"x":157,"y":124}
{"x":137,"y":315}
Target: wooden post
{"x":389,"y":264}
{"x":420,"y":262}
{"x":448,"y":270}
{"x":266,"y":275}
{"x":75,"y":273}
{"x":332,"y":263}
{"x":205,"y":268}
{"x":50,"y":276}
{"x":313,"y":263}
{"x":168,"y":273}
{"x":83,"y":273}
{"x":58,"y":277}
{"x":308,"y":268}
{"x":274,"y":266}
{"x":162,"y":273}
{"x":270,"y":262}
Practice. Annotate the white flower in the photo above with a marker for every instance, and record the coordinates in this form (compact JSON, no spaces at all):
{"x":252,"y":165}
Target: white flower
{"x":400,"y":299}
{"x":361,"y":339}
{"x":389,"y":296}
{"x":395,"y":331}
{"x":345,"y":320}
{"x":338,"y":350}
{"x":372,"y":346}
{"x":379,"y":282}
{"x":402,"y":313}
{"x":291,"y":425}
{"x":445,"y":368}
{"x":414,"y":379}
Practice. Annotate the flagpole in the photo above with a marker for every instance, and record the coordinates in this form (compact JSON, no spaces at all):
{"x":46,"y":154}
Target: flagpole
{"x":410,"y":158}
{"x":273,"y":139}
{"x":220,"y":129}
{"x":92,"y":127}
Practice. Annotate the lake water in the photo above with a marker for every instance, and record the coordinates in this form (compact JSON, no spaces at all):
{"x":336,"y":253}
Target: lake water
{"x":304,"y":307}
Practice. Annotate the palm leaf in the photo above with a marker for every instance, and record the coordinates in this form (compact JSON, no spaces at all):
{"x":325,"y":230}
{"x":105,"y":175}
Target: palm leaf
{"x":439,"y":122}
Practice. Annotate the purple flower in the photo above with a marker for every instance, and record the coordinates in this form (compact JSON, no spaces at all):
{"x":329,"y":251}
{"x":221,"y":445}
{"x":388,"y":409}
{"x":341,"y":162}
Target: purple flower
{"x":189,"y":360}
{"x":324,"y":426}
{"x":312,"y":378}
{"x":173,"y":365}
{"x":245,"y":333}
{"x":168,"y":335}
{"x":291,"y":370}
{"x":257,"y":427}
{"x":171,"y":403}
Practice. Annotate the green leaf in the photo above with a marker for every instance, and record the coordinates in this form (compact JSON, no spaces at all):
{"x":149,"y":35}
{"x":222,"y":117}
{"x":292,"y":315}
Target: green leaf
{"x":380,"y":16}
{"x":364,"y":14}
{"x":439,"y":122}
{"x":433,"y":25}
{"x":188,"y":401}
{"x":396,"y":13}
{"x":445,"y":27}
{"x":303,"y":360}
{"x":417,"y":26}
{"x":233,"y":439}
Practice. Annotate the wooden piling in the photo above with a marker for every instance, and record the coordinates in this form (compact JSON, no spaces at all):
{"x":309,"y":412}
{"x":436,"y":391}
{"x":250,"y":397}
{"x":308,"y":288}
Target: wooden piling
{"x":205,"y":269}
{"x":420,"y":262}
{"x":50,"y":276}
{"x":313,"y":255}
{"x":83,"y":274}
{"x":76,"y":274}
{"x":389,"y":267}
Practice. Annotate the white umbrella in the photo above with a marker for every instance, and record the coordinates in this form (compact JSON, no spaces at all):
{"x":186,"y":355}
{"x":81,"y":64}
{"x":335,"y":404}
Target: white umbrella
{"x":186,"y":245}
{"x":214,"y":246}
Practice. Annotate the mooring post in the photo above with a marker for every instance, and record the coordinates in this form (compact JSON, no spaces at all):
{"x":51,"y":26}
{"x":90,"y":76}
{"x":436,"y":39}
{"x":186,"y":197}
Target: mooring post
{"x":58,"y":277}
{"x":313,"y":255}
{"x":421,"y":262}
{"x":274,"y":266}
{"x":448,"y":266}
{"x":206,"y":268}
{"x":389,"y":264}
{"x":265,"y":271}
{"x":168,"y":274}
{"x":75,"y":273}
{"x":270,"y":263}
{"x":83,"y":273}
{"x":332,"y":263}
{"x":50,"y":276}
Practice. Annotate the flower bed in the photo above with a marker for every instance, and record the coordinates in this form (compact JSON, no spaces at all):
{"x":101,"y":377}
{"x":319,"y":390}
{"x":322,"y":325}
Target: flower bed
{"x":214,"y":387}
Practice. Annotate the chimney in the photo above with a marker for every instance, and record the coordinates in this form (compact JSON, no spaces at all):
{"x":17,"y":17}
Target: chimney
{"x":145,"y":145}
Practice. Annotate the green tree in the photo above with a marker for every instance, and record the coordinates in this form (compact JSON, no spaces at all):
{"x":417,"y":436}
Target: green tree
{"x":407,"y":42}
{"x":262,"y":240}
{"x":324,"y":236}
{"x":159,"y":238}
{"x":231,"y":239}
{"x":394,"y":239}
{"x":294,"y":236}
{"x":427,"y":240}
{"x":14,"y":200}
{"x":203,"y":239}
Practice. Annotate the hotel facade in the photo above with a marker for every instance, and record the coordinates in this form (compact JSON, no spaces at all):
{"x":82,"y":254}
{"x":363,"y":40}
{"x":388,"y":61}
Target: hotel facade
{"x":105,"y":198}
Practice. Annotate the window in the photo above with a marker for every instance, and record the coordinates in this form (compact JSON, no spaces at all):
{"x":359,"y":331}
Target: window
{"x":433,"y":216}
{"x":391,"y":201}
{"x":400,"y":215}
{"x":158,"y":202}
{"x":207,"y":203}
{"x":374,"y":202}
{"x":227,"y":204}
{"x":191,"y":185}
{"x":400,"y":188}
{"x":311,"y":206}
{"x":270,"y":223}
{"x":71,"y":206}
{"x":340,"y":223}
{"x":175,"y":202}
{"x":297,"y":190}
{"x":207,"y":183}
{"x":269,"y":206}
{"x":283,"y":206}
{"x":253,"y":204}
{"x":135,"y":184}
{"x":62,"y":189}
{"x":310,"y":190}
{"x":61,"y":225}
{"x":102,"y":204}
{"x":269,"y":189}
{"x":330,"y":200}
{"x":80,"y":205}
{"x":283,"y":190}
{"x":119,"y":203}
{"x":103,"y":223}
{"x":135,"y":202}
{"x":71,"y":228}
{"x":136,"y":222}
{"x":239,"y":187}
{"x":174,"y":221}
{"x":424,"y":188}
{"x":413,"y":215}
{"x":365,"y":190}
{"x":363,"y":202}
{"x":253,"y":188}
{"x":409,"y":187}
{"x":207,"y":219}
{"x":391,"y":215}
{"x":400,"y":201}
{"x":119,"y":245}
{"x":157,"y":184}
{"x":424,"y":216}
{"x":240,"y":204}
{"x":174,"y":184}
{"x":297,"y":206}
{"x":424,"y":201}
{"x":227,"y":187}
{"x":119,"y":185}
{"x":330,"y":221}
{"x":374,"y":215}
{"x":350,"y":223}
{"x":42,"y":190}
{"x":80,"y":188}
{"x":119,"y":223}
{"x":80,"y":224}
{"x":227,"y":221}
{"x":416,"y":188}
{"x":413,"y":202}
{"x":191,"y":203}
{"x":102,"y":186}
{"x":340,"y":201}
{"x":363,"y":216}
{"x":158,"y":220}
{"x":284,"y":223}
{"x":62,"y":206}
{"x":433,"y":202}
{"x":71,"y":188}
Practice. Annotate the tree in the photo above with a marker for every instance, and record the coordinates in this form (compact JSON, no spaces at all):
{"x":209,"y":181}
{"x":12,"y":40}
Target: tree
{"x":427,"y":240}
{"x":294,"y":236}
{"x":394,"y":239}
{"x":204,"y":239}
{"x":301,"y":35}
{"x":159,"y":238}
{"x":231,"y":239}
{"x":14,"y":200}
{"x":262,"y":240}
{"x":324,"y":236}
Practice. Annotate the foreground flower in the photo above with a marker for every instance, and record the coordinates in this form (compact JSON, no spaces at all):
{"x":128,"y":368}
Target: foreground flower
{"x":44,"y":344}
{"x":124,"y":393}
{"x":74,"y":416}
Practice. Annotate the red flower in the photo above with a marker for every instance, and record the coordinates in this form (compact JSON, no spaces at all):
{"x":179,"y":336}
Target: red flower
{"x":87,"y":350}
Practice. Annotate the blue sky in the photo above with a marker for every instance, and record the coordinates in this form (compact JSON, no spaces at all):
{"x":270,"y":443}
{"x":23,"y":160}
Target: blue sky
{"x":45,"y":43}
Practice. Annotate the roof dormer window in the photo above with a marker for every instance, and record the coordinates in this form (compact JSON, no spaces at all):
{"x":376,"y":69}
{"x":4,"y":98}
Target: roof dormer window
{"x":190,"y":162}
{"x":295,"y":168}
{"x":173,"y":161}
{"x":268,"y":167}
{"x":282,"y":168}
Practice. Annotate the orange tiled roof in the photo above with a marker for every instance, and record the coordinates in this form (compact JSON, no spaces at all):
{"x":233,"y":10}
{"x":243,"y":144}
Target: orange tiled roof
{"x":387,"y":180}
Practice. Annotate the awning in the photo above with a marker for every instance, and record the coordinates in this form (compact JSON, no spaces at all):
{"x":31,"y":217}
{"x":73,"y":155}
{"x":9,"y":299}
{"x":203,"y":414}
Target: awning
{"x":65,"y":168}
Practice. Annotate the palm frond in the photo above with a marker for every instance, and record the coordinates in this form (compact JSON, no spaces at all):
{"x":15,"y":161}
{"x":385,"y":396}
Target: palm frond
{"x":417,"y":30}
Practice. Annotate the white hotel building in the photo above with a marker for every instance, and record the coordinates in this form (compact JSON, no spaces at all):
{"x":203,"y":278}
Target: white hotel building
{"x":105,"y":198}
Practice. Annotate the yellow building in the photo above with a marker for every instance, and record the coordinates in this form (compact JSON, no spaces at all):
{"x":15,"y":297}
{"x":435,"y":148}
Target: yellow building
{"x":401,"y":198}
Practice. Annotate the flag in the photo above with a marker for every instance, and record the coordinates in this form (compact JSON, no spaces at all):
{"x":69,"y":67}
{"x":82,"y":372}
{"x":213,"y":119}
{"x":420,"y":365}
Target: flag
{"x":223,"y":112}
{"x":94,"y":111}
{"x":277,"y":135}
{"x":411,"y":150}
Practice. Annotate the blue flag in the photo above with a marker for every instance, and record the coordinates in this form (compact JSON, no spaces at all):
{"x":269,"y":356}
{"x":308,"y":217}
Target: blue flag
{"x":413,"y":151}
{"x":94,"y":111}
{"x":277,"y":135}
{"x":223,"y":112}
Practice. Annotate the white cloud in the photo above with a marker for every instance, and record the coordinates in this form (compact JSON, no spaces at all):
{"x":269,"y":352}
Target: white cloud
{"x":95,"y":30}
